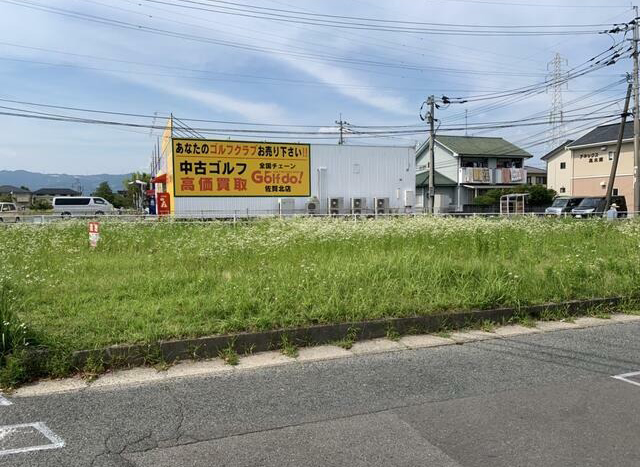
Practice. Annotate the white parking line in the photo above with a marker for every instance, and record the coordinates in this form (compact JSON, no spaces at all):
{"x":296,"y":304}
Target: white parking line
{"x":55,"y":441}
{"x":625,"y":377}
{"x":4,"y":401}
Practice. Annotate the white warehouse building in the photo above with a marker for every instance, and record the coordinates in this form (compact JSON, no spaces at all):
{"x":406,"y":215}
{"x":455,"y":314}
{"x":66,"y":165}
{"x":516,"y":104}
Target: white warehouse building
{"x":221,"y":178}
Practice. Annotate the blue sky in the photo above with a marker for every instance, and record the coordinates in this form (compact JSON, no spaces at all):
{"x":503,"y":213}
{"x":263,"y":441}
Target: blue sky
{"x":67,"y":61}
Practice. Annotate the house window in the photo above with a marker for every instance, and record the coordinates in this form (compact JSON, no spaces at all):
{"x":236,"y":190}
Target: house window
{"x":563,"y":165}
{"x":610,"y":155}
{"x":615,"y":192}
{"x":562,"y":190}
{"x":601,"y":159}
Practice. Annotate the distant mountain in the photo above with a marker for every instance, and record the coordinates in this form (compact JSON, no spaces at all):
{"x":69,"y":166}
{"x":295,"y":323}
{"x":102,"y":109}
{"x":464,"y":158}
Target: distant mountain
{"x":36,"y":180}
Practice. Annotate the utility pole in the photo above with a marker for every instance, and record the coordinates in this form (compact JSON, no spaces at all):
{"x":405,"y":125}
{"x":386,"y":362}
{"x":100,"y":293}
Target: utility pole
{"x":636,"y":117}
{"x":342,"y":125}
{"x":616,"y":156}
{"x":431,"y":102}
{"x":466,"y":133}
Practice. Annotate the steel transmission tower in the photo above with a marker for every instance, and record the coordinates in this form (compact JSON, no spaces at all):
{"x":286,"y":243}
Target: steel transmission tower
{"x":557,"y":83}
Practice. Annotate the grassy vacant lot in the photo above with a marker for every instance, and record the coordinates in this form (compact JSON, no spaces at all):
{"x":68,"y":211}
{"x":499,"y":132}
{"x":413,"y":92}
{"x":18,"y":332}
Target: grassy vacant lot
{"x":147,"y":281}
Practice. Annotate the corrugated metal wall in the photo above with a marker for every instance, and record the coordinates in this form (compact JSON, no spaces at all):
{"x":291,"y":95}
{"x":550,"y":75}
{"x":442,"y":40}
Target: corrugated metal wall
{"x":336,"y":171}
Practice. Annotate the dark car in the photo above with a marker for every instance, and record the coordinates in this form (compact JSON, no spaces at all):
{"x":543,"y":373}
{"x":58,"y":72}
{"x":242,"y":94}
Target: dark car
{"x":563,"y":205}
{"x":595,"y":206}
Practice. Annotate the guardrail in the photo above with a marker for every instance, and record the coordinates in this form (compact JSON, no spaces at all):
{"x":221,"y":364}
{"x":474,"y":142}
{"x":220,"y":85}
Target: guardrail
{"x":206,"y":216}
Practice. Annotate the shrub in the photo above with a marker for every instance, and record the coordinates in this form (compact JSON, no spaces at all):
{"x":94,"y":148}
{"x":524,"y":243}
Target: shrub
{"x":41,"y":205}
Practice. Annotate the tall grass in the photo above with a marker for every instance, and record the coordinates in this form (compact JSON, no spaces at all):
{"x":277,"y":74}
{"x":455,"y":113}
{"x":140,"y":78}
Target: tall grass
{"x":147,"y":281}
{"x":13,"y":333}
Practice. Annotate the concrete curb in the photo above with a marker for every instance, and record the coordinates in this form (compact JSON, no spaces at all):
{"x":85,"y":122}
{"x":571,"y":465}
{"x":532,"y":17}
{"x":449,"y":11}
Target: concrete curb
{"x":249,"y":342}
{"x":115,"y":379}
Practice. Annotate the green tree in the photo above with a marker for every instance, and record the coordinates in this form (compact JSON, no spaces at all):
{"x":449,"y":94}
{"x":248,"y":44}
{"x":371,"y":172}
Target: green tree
{"x":539,"y":195}
{"x":104,"y":191}
{"x":121,"y":201}
{"x":41,"y":205}
{"x":133,"y":189}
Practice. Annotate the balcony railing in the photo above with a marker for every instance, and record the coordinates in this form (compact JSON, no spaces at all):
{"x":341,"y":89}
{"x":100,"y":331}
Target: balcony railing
{"x":492,"y":176}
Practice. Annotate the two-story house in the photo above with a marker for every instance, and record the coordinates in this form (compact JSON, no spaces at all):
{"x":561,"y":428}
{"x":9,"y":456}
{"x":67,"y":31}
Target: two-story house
{"x":20,"y":196}
{"x":467,"y":167}
{"x":48,"y":194}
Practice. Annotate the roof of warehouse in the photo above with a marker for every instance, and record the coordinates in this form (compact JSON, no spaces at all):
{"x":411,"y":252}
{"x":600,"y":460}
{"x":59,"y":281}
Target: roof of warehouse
{"x":479,"y":146}
{"x":604,"y":134}
{"x":422,"y":179}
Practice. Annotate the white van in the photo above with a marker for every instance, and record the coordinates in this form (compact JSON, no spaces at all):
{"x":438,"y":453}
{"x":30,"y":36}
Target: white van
{"x":81,"y":206}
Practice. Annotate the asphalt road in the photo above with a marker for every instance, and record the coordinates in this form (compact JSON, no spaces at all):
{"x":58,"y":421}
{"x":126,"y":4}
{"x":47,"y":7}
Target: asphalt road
{"x":536,"y":400}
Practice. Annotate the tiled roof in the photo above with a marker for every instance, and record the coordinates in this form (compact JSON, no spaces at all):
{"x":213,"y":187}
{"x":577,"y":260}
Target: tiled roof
{"x":604,"y":134}
{"x":56,"y":192}
{"x":481,"y":146}
{"x":12,"y":189}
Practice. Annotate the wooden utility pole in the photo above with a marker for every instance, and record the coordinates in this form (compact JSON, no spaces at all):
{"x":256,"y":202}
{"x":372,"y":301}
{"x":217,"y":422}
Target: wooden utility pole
{"x":616,"y":156}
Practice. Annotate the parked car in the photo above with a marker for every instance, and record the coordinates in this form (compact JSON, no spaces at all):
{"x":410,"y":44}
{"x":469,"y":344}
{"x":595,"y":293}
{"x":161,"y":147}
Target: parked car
{"x":69,"y":206}
{"x":563,"y":205}
{"x":9,"y":213}
{"x":595,"y":206}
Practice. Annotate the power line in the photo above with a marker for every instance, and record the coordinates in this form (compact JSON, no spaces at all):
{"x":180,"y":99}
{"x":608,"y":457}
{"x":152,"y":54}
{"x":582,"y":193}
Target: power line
{"x":299,"y":17}
{"x":380,"y":20}
{"x":291,"y":18}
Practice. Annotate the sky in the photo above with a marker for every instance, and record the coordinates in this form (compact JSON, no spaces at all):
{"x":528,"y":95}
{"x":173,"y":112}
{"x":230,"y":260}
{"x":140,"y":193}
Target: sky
{"x":212,"y":60}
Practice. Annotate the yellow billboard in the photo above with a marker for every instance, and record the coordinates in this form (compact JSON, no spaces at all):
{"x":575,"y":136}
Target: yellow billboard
{"x":240,"y":168}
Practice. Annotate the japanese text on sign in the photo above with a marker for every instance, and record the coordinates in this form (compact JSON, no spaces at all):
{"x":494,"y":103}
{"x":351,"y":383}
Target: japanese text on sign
{"x":240,"y":168}
{"x":94,"y":233}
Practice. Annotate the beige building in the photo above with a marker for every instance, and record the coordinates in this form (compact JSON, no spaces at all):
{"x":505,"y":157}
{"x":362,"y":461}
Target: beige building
{"x":592,"y":159}
{"x":582,"y":167}
{"x":560,"y":169}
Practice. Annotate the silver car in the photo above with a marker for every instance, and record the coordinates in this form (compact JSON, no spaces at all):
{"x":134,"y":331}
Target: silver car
{"x":563,"y":205}
{"x":9,"y":213}
{"x":69,"y":206}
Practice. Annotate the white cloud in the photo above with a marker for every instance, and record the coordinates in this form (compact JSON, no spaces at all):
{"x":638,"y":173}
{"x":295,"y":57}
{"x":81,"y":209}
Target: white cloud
{"x":250,"y":110}
{"x":346,"y":85}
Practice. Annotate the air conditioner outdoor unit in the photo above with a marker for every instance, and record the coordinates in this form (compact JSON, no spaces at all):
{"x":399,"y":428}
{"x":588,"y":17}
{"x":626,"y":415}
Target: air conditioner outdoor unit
{"x":381,"y":205}
{"x":312,"y":206}
{"x":286,"y":206}
{"x":358,"y":205}
{"x":336,"y":206}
